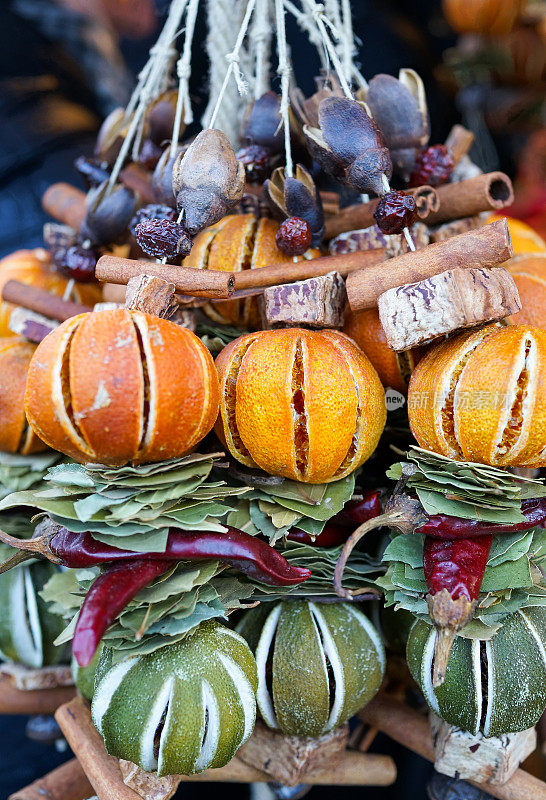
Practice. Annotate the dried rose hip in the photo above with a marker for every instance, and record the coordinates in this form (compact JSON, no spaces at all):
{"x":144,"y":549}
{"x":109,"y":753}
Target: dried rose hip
{"x":149,"y":155}
{"x":152,"y":211}
{"x":255,"y":159}
{"x":394,"y":212}
{"x":433,"y":166}
{"x":294,"y":236}
{"x":163,"y":238}
{"x":93,"y":170}
{"x":76,"y":262}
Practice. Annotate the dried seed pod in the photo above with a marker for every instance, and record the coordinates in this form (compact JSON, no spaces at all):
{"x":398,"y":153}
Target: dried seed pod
{"x":92,"y":170}
{"x":297,"y":197}
{"x":306,"y":108}
{"x":149,"y":155}
{"x":110,"y":136}
{"x":108,"y":214}
{"x":399,"y":108}
{"x":348,"y":145}
{"x":262,"y":123}
{"x":118,"y":386}
{"x":160,"y":117}
{"x":162,"y":179}
{"x":208,"y":181}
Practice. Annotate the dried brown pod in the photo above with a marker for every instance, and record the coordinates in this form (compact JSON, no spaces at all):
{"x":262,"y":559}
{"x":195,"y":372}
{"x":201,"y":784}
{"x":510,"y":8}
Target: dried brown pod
{"x":306,"y":108}
{"x":160,"y":117}
{"x":297,"y":196}
{"x":108,"y":213}
{"x":110,"y":136}
{"x":399,"y":107}
{"x":262,"y":123}
{"x":162,"y":178}
{"x":349,"y":145}
{"x":208,"y":181}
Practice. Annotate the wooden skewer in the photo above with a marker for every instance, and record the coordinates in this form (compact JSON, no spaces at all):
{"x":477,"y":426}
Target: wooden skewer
{"x":67,"y":782}
{"x":104,"y":773}
{"x":41,"y":301}
{"x":36,"y":701}
{"x":411,"y":729}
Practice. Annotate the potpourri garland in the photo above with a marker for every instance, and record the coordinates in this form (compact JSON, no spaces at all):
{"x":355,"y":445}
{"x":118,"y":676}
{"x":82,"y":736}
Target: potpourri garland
{"x":208,"y":544}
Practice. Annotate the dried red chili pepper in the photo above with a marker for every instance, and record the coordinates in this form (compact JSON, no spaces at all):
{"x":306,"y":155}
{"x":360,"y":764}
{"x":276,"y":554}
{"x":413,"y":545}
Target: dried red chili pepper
{"x":107,"y":598}
{"x":249,"y":554}
{"x":442,"y":526}
{"x":330,"y":536}
{"x":454,"y":572}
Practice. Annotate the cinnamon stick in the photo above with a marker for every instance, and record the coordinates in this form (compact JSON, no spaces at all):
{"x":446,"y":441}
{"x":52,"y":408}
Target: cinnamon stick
{"x":36,"y":701}
{"x":187,"y":280}
{"x":459,"y":142}
{"x":485,"y":247}
{"x":67,"y":782}
{"x":41,"y":301}
{"x":411,"y":729}
{"x":275,"y":274}
{"x":488,"y":192}
{"x":65,"y":203}
{"x":104,"y":772}
{"x":355,"y":217}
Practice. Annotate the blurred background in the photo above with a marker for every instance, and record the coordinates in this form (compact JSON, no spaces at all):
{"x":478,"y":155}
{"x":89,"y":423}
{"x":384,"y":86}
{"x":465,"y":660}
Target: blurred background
{"x":65,"y":64}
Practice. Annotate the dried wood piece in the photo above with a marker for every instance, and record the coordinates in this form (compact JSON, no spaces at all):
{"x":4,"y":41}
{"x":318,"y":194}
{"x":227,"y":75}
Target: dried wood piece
{"x":152,"y":295}
{"x":488,"y":246}
{"x":488,"y":192}
{"x":148,"y":784}
{"x":454,"y":228}
{"x":67,"y":782}
{"x":368,"y":238}
{"x":36,"y":701}
{"x":361,"y":215}
{"x":28,"y":679}
{"x":411,"y":729}
{"x":459,"y":142}
{"x":41,"y":301}
{"x":195,"y":282}
{"x":288,"y":759}
{"x":314,"y":303}
{"x":486,"y":760}
{"x":418,"y":313}
{"x":66,"y":204}
{"x":31,"y":325}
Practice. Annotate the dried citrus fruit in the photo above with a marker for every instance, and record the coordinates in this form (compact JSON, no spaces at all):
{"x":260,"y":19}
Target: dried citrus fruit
{"x":15,"y":434}
{"x":481,"y":396}
{"x":303,"y":404}
{"x":529,"y":273}
{"x":33,"y":267}
{"x":115,"y":386}
{"x":524,"y":238}
{"x":239,"y":242}
{"x":394,"y":369}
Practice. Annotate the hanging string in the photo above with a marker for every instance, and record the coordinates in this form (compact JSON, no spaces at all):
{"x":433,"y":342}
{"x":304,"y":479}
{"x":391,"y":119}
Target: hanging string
{"x":321,"y":21}
{"x":260,"y":36}
{"x":307,"y":27}
{"x":284,"y":71}
{"x":233,"y":64}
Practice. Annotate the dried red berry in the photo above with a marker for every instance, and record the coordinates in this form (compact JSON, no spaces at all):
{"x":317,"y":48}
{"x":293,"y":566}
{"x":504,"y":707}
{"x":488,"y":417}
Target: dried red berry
{"x":255,"y":159}
{"x":149,"y":155}
{"x":76,"y":262}
{"x":394,"y":212}
{"x":433,"y":166}
{"x":294,"y":236}
{"x":162,"y":238}
{"x":152,"y":211}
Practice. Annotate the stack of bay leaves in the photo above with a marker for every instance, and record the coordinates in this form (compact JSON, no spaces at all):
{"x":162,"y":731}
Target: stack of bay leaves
{"x":20,"y":472}
{"x":514,"y":575}
{"x":134,"y":506}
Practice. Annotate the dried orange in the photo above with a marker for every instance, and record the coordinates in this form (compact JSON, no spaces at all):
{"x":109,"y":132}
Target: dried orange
{"x":307,"y":405}
{"x":524,"y":238}
{"x":481,"y":396}
{"x":33,"y":267}
{"x":118,"y":386}
{"x":529,"y":273}
{"x":394,"y":369}
{"x":239,"y":242}
{"x":15,"y":434}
